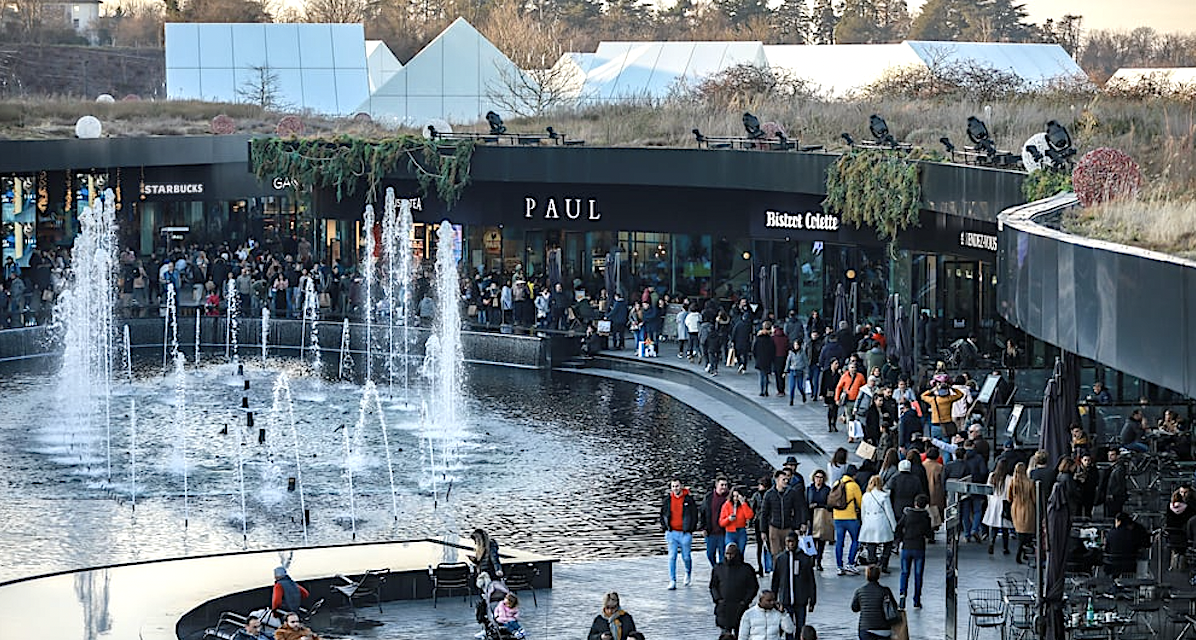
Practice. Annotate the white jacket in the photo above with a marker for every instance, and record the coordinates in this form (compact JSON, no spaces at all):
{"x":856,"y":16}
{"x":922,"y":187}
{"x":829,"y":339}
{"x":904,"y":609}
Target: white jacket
{"x":877,"y":522}
{"x":761,"y":624}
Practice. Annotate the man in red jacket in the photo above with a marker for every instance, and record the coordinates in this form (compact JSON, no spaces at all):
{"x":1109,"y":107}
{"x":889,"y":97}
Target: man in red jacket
{"x":678,"y":519}
{"x":288,"y":595}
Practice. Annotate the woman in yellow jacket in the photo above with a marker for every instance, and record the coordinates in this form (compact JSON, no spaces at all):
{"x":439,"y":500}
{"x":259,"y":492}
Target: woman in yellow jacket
{"x":847,"y":521}
{"x":939,"y":399}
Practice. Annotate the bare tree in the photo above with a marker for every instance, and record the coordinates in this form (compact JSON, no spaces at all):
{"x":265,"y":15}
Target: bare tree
{"x":534,"y":92}
{"x":262,"y":89}
{"x":336,"y":11}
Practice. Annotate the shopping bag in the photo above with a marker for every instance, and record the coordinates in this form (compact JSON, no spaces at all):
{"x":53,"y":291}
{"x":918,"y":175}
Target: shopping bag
{"x":809,"y":390}
{"x":900,"y":629}
{"x":866,"y":451}
{"x":604,"y":327}
{"x":731,"y":356}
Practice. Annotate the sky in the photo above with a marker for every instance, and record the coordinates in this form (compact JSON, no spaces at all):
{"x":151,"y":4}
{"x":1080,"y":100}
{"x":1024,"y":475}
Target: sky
{"x":1165,"y":16}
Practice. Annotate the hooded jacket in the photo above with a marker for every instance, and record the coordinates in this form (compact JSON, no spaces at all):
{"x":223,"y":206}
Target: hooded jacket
{"x":689,"y":512}
{"x":733,"y":586}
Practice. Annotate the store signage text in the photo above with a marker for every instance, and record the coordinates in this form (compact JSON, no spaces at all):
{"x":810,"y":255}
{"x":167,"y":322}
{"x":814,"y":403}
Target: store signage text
{"x":281,"y":183}
{"x":172,"y":189}
{"x":554,"y":208}
{"x":978,"y":241}
{"x":809,"y":220}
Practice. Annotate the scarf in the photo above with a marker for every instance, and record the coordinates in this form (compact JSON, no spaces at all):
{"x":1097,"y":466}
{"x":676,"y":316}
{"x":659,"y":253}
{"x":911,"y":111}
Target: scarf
{"x":1178,"y":507}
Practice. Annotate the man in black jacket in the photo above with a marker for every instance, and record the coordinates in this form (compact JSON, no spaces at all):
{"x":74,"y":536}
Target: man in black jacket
{"x":1113,"y":489}
{"x":778,"y":510}
{"x":913,"y":530}
{"x":765,"y":354}
{"x":678,"y":519}
{"x":733,"y":586}
{"x":793,"y":580}
{"x":903,"y":487}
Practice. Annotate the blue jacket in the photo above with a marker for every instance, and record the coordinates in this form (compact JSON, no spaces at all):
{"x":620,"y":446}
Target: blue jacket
{"x":831,"y":351}
{"x":618,"y":313}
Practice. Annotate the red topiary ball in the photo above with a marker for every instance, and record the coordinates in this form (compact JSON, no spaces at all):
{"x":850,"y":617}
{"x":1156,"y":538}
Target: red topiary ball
{"x":290,"y":126}
{"x":223,"y":125}
{"x":1105,"y":174}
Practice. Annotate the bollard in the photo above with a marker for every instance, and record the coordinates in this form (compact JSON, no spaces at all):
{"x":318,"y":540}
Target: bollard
{"x":291,"y":485}
{"x":240,"y":369}
{"x":247,"y":384}
{"x":224,"y":431}
{"x":261,"y":436}
{"x":249,"y":420}
{"x":307,"y":517}
{"x":244,"y":402}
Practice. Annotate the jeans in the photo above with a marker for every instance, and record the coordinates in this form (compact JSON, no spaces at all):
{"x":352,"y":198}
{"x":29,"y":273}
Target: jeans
{"x":513,"y":626}
{"x":1140,"y":447}
{"x":914,"y":559}
{"x":764,"y":379}
{"x":716,"y":547}
{"x":763,"y":553}
{"x":815,"y":375}
{"x":842,"y":528}
{"x":973,"y":514}
{"x":679,"y":542}
{"x":739,"y":537}
{"x":692,"y":349}
{"x":797,"y":380}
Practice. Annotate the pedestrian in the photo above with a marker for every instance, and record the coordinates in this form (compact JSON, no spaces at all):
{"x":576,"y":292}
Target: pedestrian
{"x":793,"y":578}
{"x":830,"y":379}
{"x":613,"y":623}
{"x":506,"y":613}
{"x":1022,"y":511}
{"x":733,"y":586}
{"x":778,"y":511}
{"x":796,"y":364}
{"x":846,"y":514}
{"x":903,"y":487}
{"x":913,"y":530}
{"x":878,"y":524}
{"x":678,"y":519}
{"x":708,"y":514}
{"x":822,"y":525}
{"x":764,"y":351}
{"x":868,"y":601}
{"x":734,"y":517}
{"x":780,"y":343}
{"x":765,"y":621}
{"x":996,"y":515}
{"x":760,"y":528}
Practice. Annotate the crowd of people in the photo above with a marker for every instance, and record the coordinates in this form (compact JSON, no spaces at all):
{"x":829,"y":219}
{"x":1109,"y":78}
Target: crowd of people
{"x":28,"y":293}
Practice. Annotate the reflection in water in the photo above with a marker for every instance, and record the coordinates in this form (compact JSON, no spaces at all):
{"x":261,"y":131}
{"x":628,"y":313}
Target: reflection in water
{"x":559,"y":464}
{"x":94,"y":599}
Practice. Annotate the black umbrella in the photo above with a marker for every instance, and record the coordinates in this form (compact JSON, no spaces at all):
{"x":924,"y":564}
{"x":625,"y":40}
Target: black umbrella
{"x":1054,"y":436}
{"x":614,"y":271}
{"x":554,"y":267}
{"x":1058,"y":534}
{"x":890,"y":323}
{"x":765,"y":284}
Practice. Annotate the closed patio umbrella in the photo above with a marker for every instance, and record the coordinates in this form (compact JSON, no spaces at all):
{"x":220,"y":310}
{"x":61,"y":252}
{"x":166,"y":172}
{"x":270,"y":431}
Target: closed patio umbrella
{"x":840,"y":314}
{"x":1058,"y":534}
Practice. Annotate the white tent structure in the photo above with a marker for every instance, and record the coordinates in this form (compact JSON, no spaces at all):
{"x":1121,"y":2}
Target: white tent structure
{"x":1171,"y":79}
{"x":456,"y":78}
{"x":621,"y":71}
{"x":837,"y":70}
{"x":321,"y":67}
{"x":381,"y":63}
{"x":1036,"y":63}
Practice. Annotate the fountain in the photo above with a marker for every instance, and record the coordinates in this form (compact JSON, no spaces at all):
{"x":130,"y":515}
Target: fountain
{"x":86,"y":310}
{"x":181,"y":421}
{"x":283,"y":411}
{"x":345,"y":369}
{"x":404,"y":278}
{"x":231,"y":301}
{"x":390,"y":283}
{"x":170,"y":326}
{"x":265,"y":332}
{"x":128,"y":354}
{"x":368,"y":268}
{"x":198,"y":324}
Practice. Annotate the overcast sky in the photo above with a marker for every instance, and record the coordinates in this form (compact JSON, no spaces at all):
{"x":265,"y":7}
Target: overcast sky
{"x":1165,"y":16}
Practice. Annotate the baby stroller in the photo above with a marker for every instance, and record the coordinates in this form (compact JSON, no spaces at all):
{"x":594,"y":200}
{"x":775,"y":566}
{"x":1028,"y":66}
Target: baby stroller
{"x":488,"y":595}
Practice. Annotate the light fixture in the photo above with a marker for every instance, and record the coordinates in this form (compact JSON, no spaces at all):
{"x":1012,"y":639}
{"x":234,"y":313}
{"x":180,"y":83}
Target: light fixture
{"x":851,"y":274}
{"x":946,"y":142}
{"x":847,"y":138}
{"x":1059,"y":142}
{"x":880,"y":131}
{"x":747,"y":255}
{"x":978,"y":134}
{"x":495,"y":122}
{"x":751,"y":124}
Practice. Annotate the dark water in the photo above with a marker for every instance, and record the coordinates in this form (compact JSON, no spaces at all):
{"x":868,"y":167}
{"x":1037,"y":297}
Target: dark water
{"x":560,"y":464}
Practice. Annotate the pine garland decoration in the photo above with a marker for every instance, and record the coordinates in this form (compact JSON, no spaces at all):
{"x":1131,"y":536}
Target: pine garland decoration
{"x":345,"y":161}
{"x":876,"y":188}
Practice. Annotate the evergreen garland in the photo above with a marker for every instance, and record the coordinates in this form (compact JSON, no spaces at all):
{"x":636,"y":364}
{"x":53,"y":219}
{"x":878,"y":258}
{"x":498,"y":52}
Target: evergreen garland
{"x":344,"y":161}
{"x":875,"y":188}
{"x":1044,"y":183}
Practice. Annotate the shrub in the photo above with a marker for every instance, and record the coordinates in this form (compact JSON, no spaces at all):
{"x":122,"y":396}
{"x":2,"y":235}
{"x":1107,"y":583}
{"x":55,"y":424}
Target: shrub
{"x":1104,"y":175}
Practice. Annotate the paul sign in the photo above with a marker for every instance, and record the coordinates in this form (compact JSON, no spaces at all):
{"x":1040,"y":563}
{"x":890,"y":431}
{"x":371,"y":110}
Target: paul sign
{"x":554,"y":208}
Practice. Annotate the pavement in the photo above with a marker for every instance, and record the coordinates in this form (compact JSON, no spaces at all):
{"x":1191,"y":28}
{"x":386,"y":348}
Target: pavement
{"x":566,"y":610}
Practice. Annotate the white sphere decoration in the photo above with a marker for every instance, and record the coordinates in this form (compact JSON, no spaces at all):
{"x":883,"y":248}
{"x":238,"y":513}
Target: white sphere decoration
{"x":88,"y":127}
{"x":441,"y":126}
{"x":1039,"y":142}
{"x":105,"y":98}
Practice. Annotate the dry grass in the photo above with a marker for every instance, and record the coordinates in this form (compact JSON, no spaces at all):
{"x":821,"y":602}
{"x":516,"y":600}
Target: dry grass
{"x":1168,"y":226}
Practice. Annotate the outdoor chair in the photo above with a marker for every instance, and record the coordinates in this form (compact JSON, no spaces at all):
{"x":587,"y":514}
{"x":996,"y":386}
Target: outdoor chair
{"x":368,"y":586}
{"x":226,"y":627}
{"x":450,"y":576}
{"x":519,"y":576}
{"x":986,"y":609}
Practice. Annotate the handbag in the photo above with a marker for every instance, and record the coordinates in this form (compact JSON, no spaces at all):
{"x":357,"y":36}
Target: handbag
{"x":824,"y":525}
{"x":47,"y":295}
{"x":1006,"y":510}
{"x":472,"y":310}
{"x":325,"y":300}
{"x":892,"y":613}
{"x":900,"y":629}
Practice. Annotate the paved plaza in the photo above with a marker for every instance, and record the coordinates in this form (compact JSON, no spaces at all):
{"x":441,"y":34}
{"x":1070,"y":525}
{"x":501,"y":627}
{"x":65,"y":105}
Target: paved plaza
{"x":566,"y":610}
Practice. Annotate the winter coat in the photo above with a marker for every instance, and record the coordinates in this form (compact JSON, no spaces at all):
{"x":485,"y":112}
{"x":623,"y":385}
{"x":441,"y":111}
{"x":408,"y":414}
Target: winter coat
{"x":1021,"y":507}
{"x":765,"y":624}
{"x":783,"y":510}
{"x":796,"y":361}
{"x":689,"y":512}
{"x":708,"y":512}
{"x":913,"y":529}
{"x":794,"y":585}
{"x":878,"y":523}
{"x":741,"y":335}
{"x":940,"y":406}
{"x":618,"y":625}
{"x":851,"y":512}
{"x":937,"y":488}
{"x":732,"y":523}
{"x":764,"y":352}
{"x":850,"y":385}
{"x":869,"y":602}
{"x":903,"y":488}
{"x":831,"y":350}
{"x":733,"y":585}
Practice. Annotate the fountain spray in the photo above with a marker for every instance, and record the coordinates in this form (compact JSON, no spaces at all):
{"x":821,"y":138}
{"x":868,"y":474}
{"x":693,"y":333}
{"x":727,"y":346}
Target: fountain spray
{"x":368,"y":268}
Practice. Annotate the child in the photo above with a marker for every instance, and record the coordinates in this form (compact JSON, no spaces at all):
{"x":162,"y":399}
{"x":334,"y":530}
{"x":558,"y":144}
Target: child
{"x":506,"y":613}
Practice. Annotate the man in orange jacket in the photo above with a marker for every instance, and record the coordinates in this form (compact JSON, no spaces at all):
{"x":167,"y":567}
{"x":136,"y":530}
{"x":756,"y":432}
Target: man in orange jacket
{"x":848,"y":389}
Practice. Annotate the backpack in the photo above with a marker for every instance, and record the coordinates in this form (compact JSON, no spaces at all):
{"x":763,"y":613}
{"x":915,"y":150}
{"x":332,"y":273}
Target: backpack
{"x":837,"y":499}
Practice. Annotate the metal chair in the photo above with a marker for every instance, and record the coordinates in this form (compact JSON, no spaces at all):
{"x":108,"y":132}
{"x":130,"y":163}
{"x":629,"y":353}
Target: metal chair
{"x":449,"y":576}
{"x":986,"y":609}
{"x":519,"y":576}
{"x":366,"y":587}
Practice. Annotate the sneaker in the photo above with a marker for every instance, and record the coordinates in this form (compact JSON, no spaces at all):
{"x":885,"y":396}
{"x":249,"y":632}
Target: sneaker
{"x":917,"y":605}
{"x":688,"y":579}
{"x":901,"y":602}
{"x":672,"y":585}
{"x":851,"y":569}
{"x":841,"y":572}
{"x":480,"y":634}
